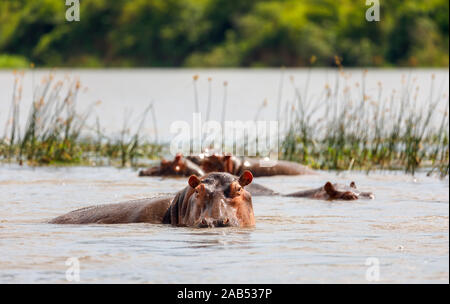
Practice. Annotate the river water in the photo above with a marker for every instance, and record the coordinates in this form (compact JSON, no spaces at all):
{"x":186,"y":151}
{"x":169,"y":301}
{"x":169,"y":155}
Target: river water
{"x":403,"y":231}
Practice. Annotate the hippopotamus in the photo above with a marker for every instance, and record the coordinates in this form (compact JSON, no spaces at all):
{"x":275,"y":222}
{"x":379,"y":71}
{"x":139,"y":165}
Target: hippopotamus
{"x":202,"y":164}
{"x":180,"y":166}
{"x":196,"y":159}
{"x":215,"y":200}
{"x":334,"y":192}
{"x":234,"y":165}
{"x":327,"y":192}
{"x":281,"y":167}
{"x":221,"y":163}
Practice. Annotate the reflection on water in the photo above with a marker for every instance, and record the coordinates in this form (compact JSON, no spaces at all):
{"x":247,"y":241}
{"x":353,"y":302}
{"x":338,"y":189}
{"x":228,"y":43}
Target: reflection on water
{"x":295,"y":239}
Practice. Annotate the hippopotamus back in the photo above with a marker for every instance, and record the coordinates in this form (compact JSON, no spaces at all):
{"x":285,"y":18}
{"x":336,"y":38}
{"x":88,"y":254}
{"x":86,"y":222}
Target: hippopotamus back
{"x":150,"y":210}
{"x":281,"y":167}
{"x":334,"y":192}
{"x":215,"y":200}
{"x":180,"y":166}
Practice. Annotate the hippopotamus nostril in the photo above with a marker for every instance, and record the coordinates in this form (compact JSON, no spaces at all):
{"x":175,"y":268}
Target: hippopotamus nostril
{"x":210,"y":223}
{"x":204,"y":222}
{"x":349,"y":196}
{"x":224,"y":222}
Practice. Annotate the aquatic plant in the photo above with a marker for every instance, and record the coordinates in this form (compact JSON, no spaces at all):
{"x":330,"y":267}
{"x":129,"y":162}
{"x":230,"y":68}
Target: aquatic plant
{"x":343,"y":128}
{"x":56,"y":132}
{"x":346,"y":128}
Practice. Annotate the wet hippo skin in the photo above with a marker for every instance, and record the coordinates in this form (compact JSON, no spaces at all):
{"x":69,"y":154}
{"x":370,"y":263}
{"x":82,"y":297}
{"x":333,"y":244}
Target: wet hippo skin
{"x":215,"y":200}
{"x":179,"y":166}
{"x":334,"y":192}
{"x":200,"y":165}
{"x":260,"y":190}
{"x":151,"y":210}
{"x":327,"y":192}
{"x":235,"y":165}
{"x":281,"y":167}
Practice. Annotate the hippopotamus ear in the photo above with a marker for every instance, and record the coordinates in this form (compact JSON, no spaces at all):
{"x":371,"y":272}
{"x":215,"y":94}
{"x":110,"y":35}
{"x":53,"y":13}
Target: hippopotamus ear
{"x":330,"y":190}
{"x":194,"y":181}
{"x":353,"y":185}
{"x":245,"y":178}
{"x":178,"y":156}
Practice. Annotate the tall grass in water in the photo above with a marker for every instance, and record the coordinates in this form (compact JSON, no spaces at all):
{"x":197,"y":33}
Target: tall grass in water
{"x":56,"y":132}
{"x":346,"y":129}
{"x":53,"y":125}
{"x":342,"y":128}
{"x":129,"y":143}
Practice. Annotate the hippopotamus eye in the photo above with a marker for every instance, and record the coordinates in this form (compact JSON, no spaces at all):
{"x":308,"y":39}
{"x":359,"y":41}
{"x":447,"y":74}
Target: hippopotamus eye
{"x":233,"y":190}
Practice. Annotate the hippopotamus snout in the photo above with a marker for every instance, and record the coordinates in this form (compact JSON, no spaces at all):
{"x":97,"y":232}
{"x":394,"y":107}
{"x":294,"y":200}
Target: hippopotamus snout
{"x":367,"y":195}
{"x":335,"y":192}
{"x":216,"y":212}
{"x":211,"y":222}
{"x":217,"y":200}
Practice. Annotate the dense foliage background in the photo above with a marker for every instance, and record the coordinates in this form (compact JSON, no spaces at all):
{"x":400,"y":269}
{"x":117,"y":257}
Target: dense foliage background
{"x":223,"y":33}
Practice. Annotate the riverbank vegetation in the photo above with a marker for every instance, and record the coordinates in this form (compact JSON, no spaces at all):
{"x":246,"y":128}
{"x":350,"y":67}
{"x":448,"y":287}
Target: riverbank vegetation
{"x":224,"y":33}
{"x":346,"y":127}
{"x":56,"y":132}
{"x":349,"y":128}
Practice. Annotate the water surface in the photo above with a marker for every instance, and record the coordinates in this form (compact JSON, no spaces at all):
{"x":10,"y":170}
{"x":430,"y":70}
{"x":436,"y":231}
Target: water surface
{"x":295,"y":240}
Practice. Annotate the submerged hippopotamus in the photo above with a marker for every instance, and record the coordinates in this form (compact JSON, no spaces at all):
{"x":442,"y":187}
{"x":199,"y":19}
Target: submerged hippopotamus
{"x":282,"y":167}
{"x":327,"y":192}
{"x":334,"y":192}
{"x":234,"y":165}
{"x":202,"y":164}
{"x":180,"y":166}
{"x":194,"y":165}
{"x":215,"y":200}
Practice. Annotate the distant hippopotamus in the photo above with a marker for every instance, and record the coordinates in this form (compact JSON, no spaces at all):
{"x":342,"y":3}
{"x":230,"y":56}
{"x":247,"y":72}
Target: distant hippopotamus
{"x":180,"y":166}
{"x":281,"y":167}
{"x":202,"y":164}
{"x":215,"y":200}
{"x":334,"y":192}
{"x":327,"y":192}
{"x":234,"y":165}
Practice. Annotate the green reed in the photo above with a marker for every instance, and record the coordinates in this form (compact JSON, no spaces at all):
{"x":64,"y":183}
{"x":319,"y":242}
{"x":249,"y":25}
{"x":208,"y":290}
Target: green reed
{"x":343,"y":128}
{"x":57,"y":133}
{"x":346,"y":128}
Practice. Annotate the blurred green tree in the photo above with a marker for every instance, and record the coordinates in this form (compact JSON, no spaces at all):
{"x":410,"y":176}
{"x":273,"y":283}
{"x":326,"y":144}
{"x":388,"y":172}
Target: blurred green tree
{"x":225,"y":33}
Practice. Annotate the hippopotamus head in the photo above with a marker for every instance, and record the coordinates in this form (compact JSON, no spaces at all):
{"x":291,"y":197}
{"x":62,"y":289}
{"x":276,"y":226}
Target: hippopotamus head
{"x":220,"y":163}
{"x":176,"y":166}
{"x":179,"y":166}
{"x":343,"y":192}
{"x":215,"y":200}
